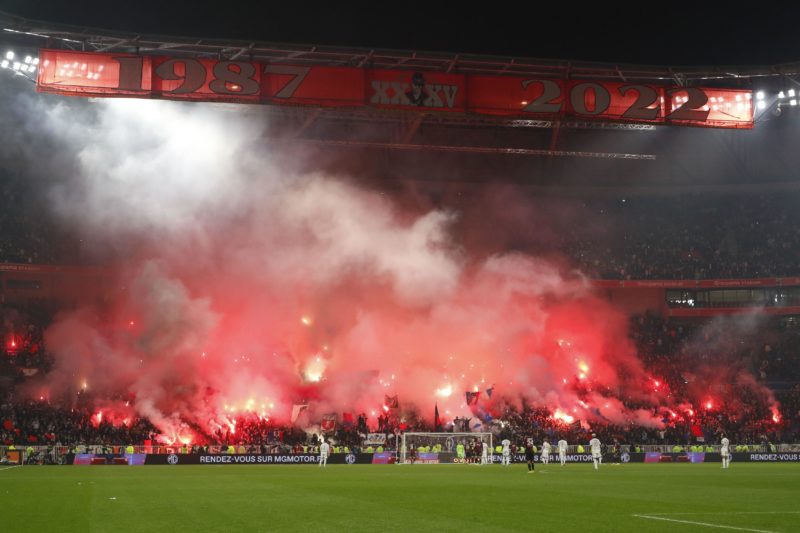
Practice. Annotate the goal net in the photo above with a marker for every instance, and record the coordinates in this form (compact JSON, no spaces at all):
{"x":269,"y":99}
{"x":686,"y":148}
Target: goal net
{"x":445,"y":448}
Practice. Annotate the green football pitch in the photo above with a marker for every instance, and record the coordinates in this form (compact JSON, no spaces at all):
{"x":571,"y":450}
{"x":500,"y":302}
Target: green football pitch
{"x":670,"y":498}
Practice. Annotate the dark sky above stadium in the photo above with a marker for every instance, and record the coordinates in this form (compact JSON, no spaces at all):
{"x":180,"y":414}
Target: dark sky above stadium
{"x":664,"y":34}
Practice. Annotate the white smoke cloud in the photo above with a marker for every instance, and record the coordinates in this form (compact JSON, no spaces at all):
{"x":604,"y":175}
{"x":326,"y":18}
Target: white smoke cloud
{"x":223,"y":249}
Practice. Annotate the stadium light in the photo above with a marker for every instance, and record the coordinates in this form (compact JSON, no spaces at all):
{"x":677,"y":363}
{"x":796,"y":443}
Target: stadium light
{"x":760,"y":95}
{"x":791,"y":93}
{"x":761,"y":104}
{"x":781,"y":95}
{"x":792,"y":102}
{"x":20,"y":66}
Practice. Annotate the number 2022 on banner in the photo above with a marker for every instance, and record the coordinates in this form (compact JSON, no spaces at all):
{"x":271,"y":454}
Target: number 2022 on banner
{"x":646,"y":106}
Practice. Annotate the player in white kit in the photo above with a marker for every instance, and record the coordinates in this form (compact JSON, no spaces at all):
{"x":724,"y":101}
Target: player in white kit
{"x":726,"y":452}
{"x":545,"y":452}
{"x":485,"y":454}
{"x":324,"y":448}
{"x":562,"y":451}
{"x":597,"y":456}
{"x":506,"y":452}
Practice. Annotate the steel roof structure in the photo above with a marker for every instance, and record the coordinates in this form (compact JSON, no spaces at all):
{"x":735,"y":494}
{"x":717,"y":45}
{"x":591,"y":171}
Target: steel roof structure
{"x":23,"y":32}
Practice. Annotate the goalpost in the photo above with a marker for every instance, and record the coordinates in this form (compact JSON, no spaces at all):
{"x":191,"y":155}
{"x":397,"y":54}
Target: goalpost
{"x":443,"y":448}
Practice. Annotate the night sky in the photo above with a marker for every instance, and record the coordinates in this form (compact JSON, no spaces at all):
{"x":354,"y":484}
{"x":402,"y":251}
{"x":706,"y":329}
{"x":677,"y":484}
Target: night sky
{"x":611,"y":32}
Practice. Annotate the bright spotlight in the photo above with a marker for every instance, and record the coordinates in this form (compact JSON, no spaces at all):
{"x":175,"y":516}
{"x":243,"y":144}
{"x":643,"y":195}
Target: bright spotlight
{"x":4,"y":63}
{"x":792,"y":102}
{"x":9,"y":55}
{"x":17,"y":65}
{"x":35,"y":60}
{"x":781,"y":95}
{"x":28,"y":59}
{"x":790,"y":92}
{"x":762,"y":104}
{"x":760,"y":95}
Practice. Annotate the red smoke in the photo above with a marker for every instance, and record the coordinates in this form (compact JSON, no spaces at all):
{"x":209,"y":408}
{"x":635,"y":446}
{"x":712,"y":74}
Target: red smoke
{"x":246,"y":288}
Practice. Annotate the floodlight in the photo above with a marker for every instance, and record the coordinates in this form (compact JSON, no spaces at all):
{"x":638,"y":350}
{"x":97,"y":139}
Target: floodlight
{"x":792,"y":102}
{"x":790,"y":92}
{"x":759,"y":95}
{"x":4,"y":63}
{"x":28,"y":59}
{"x":9,"y":55}
{"x":781,"y":95}
{"x":761,"y":104}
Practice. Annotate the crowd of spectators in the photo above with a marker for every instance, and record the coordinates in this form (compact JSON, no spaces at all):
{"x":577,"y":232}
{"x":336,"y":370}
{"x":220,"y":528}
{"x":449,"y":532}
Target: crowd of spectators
{"x":22,"y":342}
{"x":27,"y":234}
{"x":745,"y":368}
{"x":686,"y":236}
{"x":746,"y":364}
{"x":39,"y":423}
{"x":682,"y":236}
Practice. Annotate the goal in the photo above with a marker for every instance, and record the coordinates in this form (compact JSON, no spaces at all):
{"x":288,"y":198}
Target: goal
{"x":444,"y":448}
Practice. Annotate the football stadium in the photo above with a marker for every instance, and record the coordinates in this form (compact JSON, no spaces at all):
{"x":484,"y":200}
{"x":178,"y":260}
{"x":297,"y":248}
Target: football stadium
{"x":256,"y":285}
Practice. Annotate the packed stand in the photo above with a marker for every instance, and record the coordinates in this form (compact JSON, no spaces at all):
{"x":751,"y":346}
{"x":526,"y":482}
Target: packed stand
{"x":699,"y":236}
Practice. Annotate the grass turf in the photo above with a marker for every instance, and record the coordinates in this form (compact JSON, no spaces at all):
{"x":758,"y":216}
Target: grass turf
{"x":748,"y":497}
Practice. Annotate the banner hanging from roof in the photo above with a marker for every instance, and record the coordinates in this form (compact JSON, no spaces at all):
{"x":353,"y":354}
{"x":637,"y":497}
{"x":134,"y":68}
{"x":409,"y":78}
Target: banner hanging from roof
{"x":92,"y":74}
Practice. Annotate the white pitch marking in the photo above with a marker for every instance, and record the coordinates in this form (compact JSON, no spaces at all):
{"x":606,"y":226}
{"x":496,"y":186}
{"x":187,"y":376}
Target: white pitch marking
{"x":706,"y":524}
{"x":724,"y":512}
{"x":10,"y":467}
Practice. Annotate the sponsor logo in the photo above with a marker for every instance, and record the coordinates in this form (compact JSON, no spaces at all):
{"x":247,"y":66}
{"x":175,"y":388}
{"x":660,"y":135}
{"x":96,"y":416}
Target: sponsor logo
{"x":775,"y":457}
{"x":172,"y":459}
{"x":625,"y":458}
{"x":350,"y":459}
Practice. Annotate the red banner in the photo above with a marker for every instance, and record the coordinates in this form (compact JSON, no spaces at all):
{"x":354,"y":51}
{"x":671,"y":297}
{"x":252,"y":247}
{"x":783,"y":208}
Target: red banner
{"x":104,"y":75}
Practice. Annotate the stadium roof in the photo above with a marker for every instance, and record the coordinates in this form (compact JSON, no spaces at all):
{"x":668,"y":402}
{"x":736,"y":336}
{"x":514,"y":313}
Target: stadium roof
{"x":28,"y":32}
{"x":404,"y":141}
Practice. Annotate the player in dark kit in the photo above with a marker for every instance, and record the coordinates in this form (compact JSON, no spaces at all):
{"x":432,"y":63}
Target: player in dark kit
{"x":529,"y":457}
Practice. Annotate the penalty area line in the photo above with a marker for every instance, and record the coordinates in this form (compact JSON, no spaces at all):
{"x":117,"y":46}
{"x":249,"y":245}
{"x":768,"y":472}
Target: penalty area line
{"x":706,"y":524}
{"x":10,"y":467}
